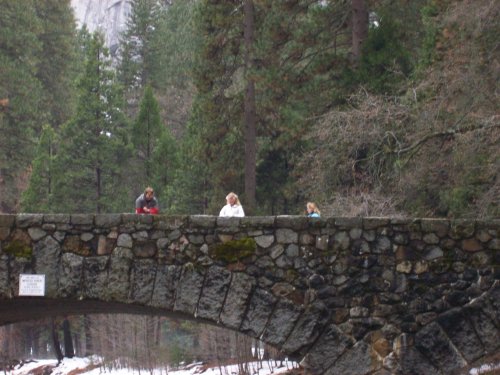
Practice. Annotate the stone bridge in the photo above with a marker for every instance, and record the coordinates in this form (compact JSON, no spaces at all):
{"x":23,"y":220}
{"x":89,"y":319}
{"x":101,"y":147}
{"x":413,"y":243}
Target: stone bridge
{"x":341,"y":295}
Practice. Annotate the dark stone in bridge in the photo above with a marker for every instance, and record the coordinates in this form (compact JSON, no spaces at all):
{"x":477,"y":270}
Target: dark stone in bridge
{"x":433,"y":343}
{"x":166,"y":280}
{"x":236,"y":300}
{"x":460,"y":331}
{"x":188,"y":290}
{"x":327,"y":350}
{"x":259,"y":309}
{"x":214,"y":292}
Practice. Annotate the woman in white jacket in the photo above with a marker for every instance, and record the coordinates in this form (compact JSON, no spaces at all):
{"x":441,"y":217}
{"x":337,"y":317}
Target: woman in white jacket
{"x":233,"y":207}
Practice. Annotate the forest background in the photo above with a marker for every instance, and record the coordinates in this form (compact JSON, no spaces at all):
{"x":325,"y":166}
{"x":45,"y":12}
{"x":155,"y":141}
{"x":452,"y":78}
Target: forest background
{"x":367,"y":107}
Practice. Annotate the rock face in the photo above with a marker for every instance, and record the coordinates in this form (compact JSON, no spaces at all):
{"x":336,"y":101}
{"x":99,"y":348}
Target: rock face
{"x":108,"y":16}
{"x":342,"y":295}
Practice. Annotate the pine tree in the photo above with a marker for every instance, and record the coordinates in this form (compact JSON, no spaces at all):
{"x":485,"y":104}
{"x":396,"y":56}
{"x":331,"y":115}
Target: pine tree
{"x":193,"y":187}
{"x":21,"y":93}
{"x":39,"y":194}
{"x":278,"y":75}
{"x":165,"y":168}
{"x":175,"y":42}
{"x":249,"y":118}
{"x":138,"y":58}
{"x":146,"y":131}
{"x":94,"y":143}
{"x":57,"y":59}
{"x":216,"y":123}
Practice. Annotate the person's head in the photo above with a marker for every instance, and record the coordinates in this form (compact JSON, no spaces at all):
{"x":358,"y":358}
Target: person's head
{"x":232,"y":199}
{"x":149,"y":193}
{"x":311,"y":207}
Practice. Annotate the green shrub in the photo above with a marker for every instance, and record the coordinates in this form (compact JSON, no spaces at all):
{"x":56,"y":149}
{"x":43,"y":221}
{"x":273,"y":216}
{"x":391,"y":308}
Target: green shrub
{"x":385,"y":61}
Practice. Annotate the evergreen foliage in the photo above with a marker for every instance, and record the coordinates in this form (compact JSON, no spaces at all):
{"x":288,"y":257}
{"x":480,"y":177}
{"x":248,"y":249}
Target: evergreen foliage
{"x":296,"y":57}
{"x":146,"y":132}
{"x":36,"y":77}
{"x":353,"y":133}
{"x":138,"y":57}
{"x":19,"y":87}
{"x":39,"y":194}
{"x":94,"y":144}
{"x":192,"y":180}
{"x":175,"y":43}
{"x":56,"y":67}
{"x":385,"y":61}
{"x":165,"y":168}
{"x":155,"y":150}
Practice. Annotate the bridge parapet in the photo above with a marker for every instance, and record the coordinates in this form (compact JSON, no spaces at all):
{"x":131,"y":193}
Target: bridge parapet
{"x":345,"y":295}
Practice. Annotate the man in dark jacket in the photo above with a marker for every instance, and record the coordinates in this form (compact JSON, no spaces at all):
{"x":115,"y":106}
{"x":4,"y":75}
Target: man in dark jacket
{"x":146,"y":203}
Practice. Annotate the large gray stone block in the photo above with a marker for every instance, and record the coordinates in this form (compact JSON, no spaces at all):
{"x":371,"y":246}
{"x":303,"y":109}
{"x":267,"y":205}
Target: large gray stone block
{"x":307,"y":329}
{"x":95,"y":277}
{"x":47,"y":253}
{"x":358,"y":360}
{"x":236,"y":300}
{"x":462,"y":334}
{"x":485,"y":328}
{"x":142,"y":280}
{"x":260,"y":308}
{"x":325,"y":352}
{"x":412,"y":362}
{"x":70,"y":280}
{"x":281,"y":323}
{"x":433,"y":343}
{"x":213,"y":293}
{"x":188,"y":290}
{"x":167,"y":277}
{"x":4,"y":277}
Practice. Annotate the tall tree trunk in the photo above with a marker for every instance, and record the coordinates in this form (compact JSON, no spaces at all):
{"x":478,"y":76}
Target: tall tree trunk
{"x":148,"y":149}
{"x":98,"y":189}
{"x":49,"y":177}
{"x":55,"y":341}
{"x":69,"y":351}
{"x":89,"y":347}
{"x":249,"y":116}
{"x":359,"y":27}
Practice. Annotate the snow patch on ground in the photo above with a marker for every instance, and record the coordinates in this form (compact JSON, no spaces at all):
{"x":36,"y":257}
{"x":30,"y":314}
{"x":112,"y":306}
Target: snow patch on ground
{"x":92,"y":368}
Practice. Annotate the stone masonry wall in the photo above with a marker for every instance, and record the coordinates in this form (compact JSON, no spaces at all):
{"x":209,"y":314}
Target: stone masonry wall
{"x":343,"y":295}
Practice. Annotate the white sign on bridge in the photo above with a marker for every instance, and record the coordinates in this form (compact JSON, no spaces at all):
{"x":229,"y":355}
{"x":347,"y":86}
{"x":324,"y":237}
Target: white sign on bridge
{"x":31,"y":285}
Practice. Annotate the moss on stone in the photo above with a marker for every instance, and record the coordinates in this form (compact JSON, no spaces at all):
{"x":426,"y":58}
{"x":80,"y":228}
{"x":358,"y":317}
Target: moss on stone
{"x":234,"y":250}
{"x":18,"y":249}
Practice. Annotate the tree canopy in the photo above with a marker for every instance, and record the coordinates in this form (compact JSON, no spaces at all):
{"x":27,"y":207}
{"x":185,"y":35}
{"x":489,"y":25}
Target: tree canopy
{"x":365,"y":107}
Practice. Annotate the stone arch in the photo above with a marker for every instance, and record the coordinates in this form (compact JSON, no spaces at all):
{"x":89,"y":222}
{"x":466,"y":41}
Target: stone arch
{"x":341,"y":295}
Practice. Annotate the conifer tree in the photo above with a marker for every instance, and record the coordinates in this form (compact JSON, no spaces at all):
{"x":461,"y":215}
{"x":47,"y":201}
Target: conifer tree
{"x":146,"y":132}
{"x":94,"y":143}
{"x":175,"y":42}
{"x":57,"y":59}
{"x":193,"y":185}
{"x":216,"y":122}
{"x":38,"y":196}
{"x":165,"y":168}
{"x":249,"y":118}
{"x":138,"y":58}
{"x":278,"y":75}
{"x":20,"y":92}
